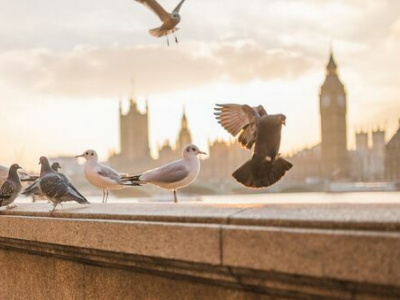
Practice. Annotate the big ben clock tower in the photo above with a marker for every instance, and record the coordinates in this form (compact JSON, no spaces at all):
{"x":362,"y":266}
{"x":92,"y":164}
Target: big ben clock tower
{"x":333,"y":124}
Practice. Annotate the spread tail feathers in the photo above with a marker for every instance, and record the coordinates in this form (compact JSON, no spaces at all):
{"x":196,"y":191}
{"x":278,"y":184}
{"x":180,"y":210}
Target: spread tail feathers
{"x":257,"y":175}
{"x":159,"y":31}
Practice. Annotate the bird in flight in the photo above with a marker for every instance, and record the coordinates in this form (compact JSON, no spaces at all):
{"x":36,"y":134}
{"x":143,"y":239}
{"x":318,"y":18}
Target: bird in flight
{"x":255,"y":127}
{"x":170,"y":20}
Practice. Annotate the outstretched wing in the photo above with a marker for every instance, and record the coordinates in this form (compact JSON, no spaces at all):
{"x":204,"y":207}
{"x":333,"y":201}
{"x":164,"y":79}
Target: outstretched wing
{"x":243,"y":119}
{"x":156,"y":8}
{"x":178,"y":7}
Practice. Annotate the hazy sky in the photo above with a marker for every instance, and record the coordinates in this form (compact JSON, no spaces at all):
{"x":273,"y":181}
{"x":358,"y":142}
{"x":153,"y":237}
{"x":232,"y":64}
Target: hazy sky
{"x":64,"y":65}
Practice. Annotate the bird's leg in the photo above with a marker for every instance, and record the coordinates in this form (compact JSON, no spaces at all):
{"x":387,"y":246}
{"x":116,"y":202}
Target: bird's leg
{"x":10,"y":206}
{"x":104,"y":194}
{"x":167,"y":39}
{"x":54,"y":207}
{"x":176,"y":39}
{"x":175,"y":197}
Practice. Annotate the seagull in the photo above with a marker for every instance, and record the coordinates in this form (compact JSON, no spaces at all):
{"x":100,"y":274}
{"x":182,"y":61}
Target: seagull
{"x":170,"y":20}
{"x":10,"y":189}
{"x":56,"y":186}
{"x":175,"y":175}
{"x":103,"y":176}
{"x":255,"y":127}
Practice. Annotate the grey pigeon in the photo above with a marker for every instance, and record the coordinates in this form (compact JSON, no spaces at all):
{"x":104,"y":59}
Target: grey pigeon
{"x":255,"y":127}
{"x":170,"y":20}
{"x":34,"y":188}
{"x":56,"y":186}
{"x":10,"y":189}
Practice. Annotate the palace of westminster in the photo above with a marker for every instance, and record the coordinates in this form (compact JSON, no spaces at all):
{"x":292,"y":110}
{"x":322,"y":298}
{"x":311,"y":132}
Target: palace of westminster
{"x":329,"y":160}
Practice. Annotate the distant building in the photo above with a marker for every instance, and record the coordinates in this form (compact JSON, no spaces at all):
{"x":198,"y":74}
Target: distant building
{"x":335,"y":160}
{"x":392,"y":157}
{"x":367,"y":163}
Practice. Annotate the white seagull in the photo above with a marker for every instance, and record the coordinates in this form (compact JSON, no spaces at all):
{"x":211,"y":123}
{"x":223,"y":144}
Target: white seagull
{"x":102,"y":176}
{"x":174,"y":175}
{"x":170,"y":20}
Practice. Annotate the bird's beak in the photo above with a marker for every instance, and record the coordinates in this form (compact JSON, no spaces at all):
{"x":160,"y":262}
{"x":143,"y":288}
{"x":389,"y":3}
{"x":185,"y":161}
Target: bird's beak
{"x":39,"y":162}
{"x":82,"y":155}
{"x":201,"y":152}
{"x":284,"y":122}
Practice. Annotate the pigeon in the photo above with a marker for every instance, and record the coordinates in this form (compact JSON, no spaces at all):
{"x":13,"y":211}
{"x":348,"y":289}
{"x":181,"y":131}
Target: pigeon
{"x":175,"y":175}
{"x":4,"y":174}
{"x":10,"y":189}
{"x":103,"y":176}
{"x":56,"y":186}
{"x":255,"y":127}
{"x":34,"y":188}
{"x":170,"y":20}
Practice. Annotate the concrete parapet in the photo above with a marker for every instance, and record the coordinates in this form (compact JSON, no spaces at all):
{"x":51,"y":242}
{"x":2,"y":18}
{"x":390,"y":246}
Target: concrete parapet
{"x":201,"y":251}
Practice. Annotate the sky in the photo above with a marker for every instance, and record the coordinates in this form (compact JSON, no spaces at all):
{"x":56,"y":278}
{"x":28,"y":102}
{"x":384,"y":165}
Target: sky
{"x":66,"y":65}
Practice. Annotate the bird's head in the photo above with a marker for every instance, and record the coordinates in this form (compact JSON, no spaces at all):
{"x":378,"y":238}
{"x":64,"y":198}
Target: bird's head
{"x":43,"y":160}
{"x":176,"y":16}
{"x":88,"y":155}
{"x":15,"y":167}
{"x":192,"y":150}
{"x":55,"y":166}
{"x":282,"y":119}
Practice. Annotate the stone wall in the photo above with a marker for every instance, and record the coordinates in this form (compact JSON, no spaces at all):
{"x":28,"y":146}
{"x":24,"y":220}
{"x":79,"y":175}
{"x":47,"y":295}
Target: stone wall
{"x":200,"y":251}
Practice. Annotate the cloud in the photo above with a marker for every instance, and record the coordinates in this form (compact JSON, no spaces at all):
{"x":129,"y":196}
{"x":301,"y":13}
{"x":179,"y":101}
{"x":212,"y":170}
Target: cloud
{"x":89,"y":71}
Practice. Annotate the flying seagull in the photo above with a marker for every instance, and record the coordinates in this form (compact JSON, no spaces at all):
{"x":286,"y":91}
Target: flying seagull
{"x":170,"y":20}
{"x":103,"y":176}
{"x":255,"y":127}
{"x":10,"y":189}
{"x":175,"y":175}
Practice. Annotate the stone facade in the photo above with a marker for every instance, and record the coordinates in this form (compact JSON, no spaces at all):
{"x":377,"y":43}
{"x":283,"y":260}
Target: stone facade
{"x":392,"y":157}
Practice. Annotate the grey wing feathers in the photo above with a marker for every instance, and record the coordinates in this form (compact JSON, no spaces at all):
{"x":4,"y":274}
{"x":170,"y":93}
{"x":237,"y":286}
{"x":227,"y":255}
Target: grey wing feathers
{"x":156,"y":8}
{"x":109,"y":173}
{"x":178,"y":7}
{"x":53,"y":186}
{"x":243,"y":119}
{"x":6,"y":190}
{"x":173,"y":172}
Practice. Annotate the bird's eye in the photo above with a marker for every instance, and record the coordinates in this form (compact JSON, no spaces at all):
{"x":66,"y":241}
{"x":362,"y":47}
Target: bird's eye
{"x":188,"y":149}
{"x":193,"y":149}
{"x":91,"y":154}
{"x":87,"y":153}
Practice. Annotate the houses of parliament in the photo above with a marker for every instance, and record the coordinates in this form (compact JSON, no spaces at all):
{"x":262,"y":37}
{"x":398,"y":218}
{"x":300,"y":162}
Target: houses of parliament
{"x":329,"y":160}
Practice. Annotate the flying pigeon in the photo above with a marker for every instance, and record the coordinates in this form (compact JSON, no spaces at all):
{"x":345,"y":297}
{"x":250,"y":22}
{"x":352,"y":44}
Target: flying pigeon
{"x":170,"y":20}
{"x":255,"y":127}
{"x":103,"y":176}
{"x":10,"y":189}
{"x":175,"y":175}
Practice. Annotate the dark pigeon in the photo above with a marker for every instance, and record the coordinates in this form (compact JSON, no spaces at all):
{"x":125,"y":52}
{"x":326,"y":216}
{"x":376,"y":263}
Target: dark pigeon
{"x":10,"y":189}
{"x":255,"y":127}
{"x":56,"y":186}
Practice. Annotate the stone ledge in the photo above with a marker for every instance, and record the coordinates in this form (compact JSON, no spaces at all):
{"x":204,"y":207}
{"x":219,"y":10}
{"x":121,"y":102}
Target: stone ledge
{"x":338,"y":252}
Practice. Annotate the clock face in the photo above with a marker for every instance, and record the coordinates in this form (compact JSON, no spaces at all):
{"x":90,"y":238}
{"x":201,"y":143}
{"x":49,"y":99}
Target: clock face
{"x":341,"y":100}
{"x":326,"y":100}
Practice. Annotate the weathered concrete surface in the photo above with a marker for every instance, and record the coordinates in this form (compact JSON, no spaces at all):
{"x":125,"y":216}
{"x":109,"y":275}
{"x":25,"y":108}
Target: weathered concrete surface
{"x":201,"y":251}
